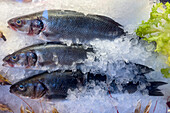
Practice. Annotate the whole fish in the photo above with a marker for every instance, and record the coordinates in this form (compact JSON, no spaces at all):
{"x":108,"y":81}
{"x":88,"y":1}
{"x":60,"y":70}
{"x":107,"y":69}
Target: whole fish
{"x":56,"y":84}
{"x":47,"y":56}
{"x":58,"y":25}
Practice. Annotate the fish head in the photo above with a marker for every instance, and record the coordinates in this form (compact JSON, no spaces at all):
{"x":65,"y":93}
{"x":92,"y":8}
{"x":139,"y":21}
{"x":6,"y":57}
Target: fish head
{"x":26,"y":25}
{"x":29,"y":88}
{"x":25,"y":59}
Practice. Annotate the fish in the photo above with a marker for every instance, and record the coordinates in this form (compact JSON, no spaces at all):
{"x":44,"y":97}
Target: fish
{"x":52,"y":85}
{"x":64,"y":25}
{"x":47,"y":56}
{"x":55,"y":85}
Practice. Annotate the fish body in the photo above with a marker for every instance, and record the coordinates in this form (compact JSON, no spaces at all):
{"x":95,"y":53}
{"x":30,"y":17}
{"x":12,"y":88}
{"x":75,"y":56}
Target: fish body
{"x":47,"y":56}
{"x":55,"y":85}
{"x":55,"y":25}
{"x":51,"y":85}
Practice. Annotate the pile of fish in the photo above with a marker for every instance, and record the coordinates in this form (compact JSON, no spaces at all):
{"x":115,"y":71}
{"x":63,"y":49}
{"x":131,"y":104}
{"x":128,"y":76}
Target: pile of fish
{"x":61,"y":61}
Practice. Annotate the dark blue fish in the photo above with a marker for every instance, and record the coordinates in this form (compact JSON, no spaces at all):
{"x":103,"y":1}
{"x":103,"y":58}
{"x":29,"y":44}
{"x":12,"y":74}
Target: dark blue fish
{"x":56,"y":84}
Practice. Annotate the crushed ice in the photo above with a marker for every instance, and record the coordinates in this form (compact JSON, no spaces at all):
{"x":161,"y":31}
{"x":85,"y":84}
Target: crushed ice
{"x":127,"y":48}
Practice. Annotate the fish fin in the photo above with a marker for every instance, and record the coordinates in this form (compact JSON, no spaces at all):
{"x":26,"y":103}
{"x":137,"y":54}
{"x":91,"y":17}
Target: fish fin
{"x":142,"y":69}
{"x":139,"y":69}
{"x":106,"y":19}
{"x":55,"y":96}
{"x":65,"y":12}
{"x":72,"y":12}
{"x":153,"y":88}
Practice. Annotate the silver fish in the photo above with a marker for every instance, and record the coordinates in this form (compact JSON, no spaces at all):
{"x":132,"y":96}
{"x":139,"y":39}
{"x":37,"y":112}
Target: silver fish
{"x":58,"y":25}
{"x":50,"y":85}
{"x":47,"y":56}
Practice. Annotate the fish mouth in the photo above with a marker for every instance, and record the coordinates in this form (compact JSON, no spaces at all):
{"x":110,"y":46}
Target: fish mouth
{"x":12,"y":27}
{"x":6,"y":64}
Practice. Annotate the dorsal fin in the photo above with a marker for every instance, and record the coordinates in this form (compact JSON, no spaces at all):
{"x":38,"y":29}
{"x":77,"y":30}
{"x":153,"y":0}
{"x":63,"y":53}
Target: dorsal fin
{"x":72,"y":12}
{"x":67,"y":12}
{"x":104,"y":18}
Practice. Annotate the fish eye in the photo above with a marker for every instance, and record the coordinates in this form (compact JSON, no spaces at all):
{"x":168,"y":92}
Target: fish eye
{"x":14,"y":58}
{"x":21,"y":87}
{"x":18,"y":22}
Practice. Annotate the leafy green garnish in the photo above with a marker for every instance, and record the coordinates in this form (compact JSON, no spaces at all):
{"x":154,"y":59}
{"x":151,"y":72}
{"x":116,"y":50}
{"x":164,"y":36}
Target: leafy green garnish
{"x":166,"y":72}
{"x":157,"y":29}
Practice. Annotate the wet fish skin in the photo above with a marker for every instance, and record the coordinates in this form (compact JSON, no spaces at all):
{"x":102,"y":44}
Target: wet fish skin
{"x":47,"y":56}
{"x":54,"y":25}
{"x":46,"y":84}
{"x":56,"y":84}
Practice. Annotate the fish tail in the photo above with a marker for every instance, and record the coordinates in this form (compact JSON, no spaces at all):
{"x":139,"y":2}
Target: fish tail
{"x":142,"y":69}
{"x":153,"y":88}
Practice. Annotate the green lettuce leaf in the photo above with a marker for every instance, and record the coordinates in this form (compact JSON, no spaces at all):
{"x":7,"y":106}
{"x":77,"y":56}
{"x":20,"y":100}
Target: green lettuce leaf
{"x":157,"y":29}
